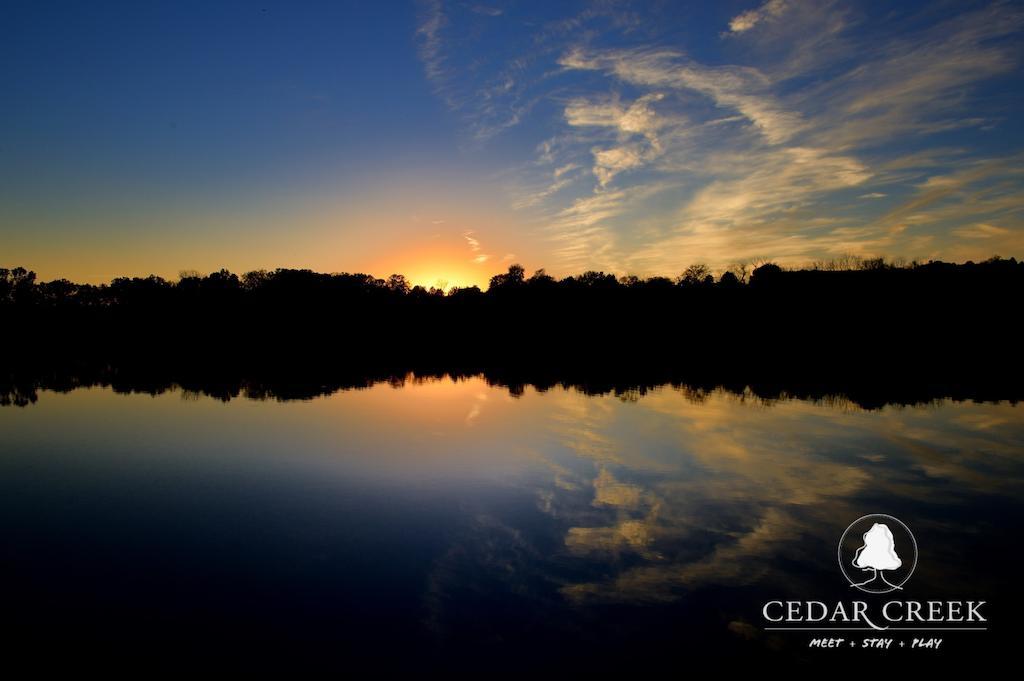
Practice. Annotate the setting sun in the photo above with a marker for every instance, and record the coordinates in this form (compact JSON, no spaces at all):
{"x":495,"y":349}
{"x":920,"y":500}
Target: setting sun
{"x":434,"y":267}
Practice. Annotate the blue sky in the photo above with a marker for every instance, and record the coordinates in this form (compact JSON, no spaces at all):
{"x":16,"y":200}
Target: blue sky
{"x":447,"y":139}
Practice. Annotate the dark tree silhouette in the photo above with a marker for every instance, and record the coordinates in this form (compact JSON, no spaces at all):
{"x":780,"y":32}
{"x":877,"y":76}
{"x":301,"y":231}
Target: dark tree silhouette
{"x":729,"y":281}
{"x":695,"y":275}
{"x":939,"y":324}
{"x":511,"y":279}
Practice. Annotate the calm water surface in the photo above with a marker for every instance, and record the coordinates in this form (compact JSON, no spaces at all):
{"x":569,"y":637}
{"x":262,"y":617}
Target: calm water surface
{"x":449,"y":522}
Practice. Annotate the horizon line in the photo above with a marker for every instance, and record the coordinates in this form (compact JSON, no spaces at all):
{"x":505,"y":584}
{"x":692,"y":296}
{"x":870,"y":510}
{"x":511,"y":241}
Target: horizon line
{"x":839,"y":264}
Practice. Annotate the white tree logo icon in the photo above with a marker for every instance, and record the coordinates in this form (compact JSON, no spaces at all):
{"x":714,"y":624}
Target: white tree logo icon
{"x":873,"y":544}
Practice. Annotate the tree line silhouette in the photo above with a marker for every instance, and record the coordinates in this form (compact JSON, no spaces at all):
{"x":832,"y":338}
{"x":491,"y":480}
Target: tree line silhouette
{"x":856,"y":317}
{"x":306,"y":288}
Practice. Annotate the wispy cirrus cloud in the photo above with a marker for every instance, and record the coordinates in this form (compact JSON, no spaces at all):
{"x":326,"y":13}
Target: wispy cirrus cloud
{"x":981,"y":230}
{"x":428,"y":32}
{"x":636,"y":127}
{"x":490,"y":89}
{"x":772,"y":9}
{"x":812,"y":130}
{"x":475,"y":247}
{"x":740,"y":88}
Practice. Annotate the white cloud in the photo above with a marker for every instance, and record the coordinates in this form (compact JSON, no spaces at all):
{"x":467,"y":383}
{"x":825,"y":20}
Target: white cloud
{"x":486,"y":10}
{"x":562,"y":170}
{"x":432,"y":21}
{"x":475,"y":247}
{"x":772,"y":9}
{"x":637,"y":120}
{"x":744,"y":89}
{"x":980,"y":230}
{"x":638,"y":117}
{"x":610,"y":162}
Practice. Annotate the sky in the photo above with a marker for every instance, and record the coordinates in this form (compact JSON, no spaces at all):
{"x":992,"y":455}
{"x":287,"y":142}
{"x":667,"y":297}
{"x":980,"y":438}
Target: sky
{"x":446,"y":140}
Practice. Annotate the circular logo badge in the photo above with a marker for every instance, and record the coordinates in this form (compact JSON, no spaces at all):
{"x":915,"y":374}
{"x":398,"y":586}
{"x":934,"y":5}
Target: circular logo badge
{"x":877,"y":553}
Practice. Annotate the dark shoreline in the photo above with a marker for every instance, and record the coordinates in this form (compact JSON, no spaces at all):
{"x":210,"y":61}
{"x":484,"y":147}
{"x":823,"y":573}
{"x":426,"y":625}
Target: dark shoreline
{"x":877,"y":335}
{"x":226,"y":378}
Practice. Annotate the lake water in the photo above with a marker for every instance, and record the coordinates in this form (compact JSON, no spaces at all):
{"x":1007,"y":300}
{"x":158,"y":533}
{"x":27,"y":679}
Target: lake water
{"x":450,"y":522}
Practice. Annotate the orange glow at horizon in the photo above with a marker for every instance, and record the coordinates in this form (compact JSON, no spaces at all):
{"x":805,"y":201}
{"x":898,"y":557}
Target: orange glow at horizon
{"x":434,"y":270}
{"x":430,"y":234}
{"x":444,"y":262}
